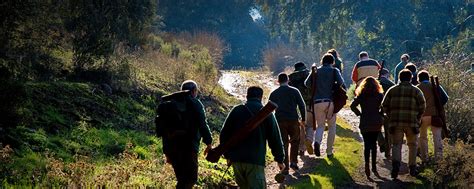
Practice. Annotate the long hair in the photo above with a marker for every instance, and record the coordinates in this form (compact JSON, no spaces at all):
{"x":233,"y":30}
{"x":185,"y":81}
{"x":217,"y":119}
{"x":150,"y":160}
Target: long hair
{"x":369,"y":86}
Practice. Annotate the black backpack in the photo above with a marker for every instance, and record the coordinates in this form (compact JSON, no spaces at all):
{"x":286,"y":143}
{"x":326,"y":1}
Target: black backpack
{"x":297,"y":80}
{"x":173,"y":116}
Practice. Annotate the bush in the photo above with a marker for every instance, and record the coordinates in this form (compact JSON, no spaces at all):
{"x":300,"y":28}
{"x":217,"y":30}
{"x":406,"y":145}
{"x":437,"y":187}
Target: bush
{"x":455,"y":169}
{"x":280,"y":55}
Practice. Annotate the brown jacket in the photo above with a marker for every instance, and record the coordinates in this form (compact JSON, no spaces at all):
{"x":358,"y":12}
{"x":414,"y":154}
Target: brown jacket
{"x":427,"y":90}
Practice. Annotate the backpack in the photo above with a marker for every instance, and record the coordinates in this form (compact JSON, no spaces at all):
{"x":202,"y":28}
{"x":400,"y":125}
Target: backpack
{"x":297,"y":80}
{"x":173,"y":116}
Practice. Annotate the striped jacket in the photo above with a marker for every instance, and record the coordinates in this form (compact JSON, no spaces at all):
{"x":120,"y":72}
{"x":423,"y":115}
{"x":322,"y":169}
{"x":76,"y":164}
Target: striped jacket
{"x":404,"y":105}
{"x":365,"y":68}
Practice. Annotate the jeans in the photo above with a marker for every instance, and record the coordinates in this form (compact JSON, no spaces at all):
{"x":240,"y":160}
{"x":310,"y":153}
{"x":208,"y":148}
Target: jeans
{"x":290,"y":134}
{"x":423,"y":140}
{"x":249,"y":175}
{"x":324,"y":114}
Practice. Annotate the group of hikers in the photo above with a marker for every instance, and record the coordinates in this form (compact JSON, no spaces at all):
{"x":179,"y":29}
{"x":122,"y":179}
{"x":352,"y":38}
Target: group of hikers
{"x":306,"y":106}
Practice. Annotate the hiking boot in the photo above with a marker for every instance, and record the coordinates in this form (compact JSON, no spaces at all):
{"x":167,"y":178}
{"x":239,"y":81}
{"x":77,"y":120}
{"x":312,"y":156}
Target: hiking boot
{"x":413,"y":171}
{"x":395,"y":169}
{"x":294,"y":166}
{"x":317,"y":151}
{"x":309,"y":147}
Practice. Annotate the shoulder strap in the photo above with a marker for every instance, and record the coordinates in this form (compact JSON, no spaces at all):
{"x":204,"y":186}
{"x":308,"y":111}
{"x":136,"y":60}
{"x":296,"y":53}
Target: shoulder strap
{"x":250,"y":111}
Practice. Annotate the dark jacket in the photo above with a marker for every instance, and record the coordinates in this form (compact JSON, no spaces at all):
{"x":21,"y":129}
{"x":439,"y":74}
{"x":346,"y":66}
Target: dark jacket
{"x":324,"y":81}
{"x":386,"y":84}
{"x":253,"y":149}
{"x":202,"y":129}
{"x":198,"y":128}
{"x":297,"y":79}
{"x":288,"y":100}
{"x":371,"y":118}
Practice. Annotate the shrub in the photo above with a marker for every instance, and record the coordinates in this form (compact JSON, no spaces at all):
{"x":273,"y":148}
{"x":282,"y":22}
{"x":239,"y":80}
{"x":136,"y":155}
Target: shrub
{"x":455,"y":169}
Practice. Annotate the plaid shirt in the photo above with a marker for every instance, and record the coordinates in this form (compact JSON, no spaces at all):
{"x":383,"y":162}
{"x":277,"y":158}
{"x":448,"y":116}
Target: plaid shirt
{"x":404,"y":105}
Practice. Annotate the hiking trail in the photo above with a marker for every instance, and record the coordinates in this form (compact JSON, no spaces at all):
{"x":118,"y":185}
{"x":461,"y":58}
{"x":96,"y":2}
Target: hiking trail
{"x":236,"y":83}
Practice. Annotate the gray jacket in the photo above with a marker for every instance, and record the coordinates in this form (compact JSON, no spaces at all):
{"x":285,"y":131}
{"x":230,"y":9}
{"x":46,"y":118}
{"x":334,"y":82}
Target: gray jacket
{"x":325,"y":81}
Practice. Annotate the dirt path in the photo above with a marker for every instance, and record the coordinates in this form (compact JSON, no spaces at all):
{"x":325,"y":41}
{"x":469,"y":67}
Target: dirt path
{"x":236,"y":82}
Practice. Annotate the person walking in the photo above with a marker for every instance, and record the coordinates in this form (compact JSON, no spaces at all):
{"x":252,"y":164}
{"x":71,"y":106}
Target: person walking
{"x":413,"y":69}
{"x":337,"y":59}
{"x":364,"y":68}
{"x":296,"y":79}
{"x":181,"y":147}
{"x":289,"y":101}
{"x":386,"y":83}
{"x":400,"y":66}
{"x":431,"y":113}
{"x":326,"y":76}
{"x":369,"y":96}
{"x":404,"y":105}
{"x":248,"y":157}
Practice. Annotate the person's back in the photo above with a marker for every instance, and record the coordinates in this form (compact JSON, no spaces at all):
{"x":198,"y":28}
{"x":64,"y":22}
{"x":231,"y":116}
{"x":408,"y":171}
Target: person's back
{"x":364,"y":68}
{"x":253,"y":149}
{"x":405,"y":103}
{"x":288,"y":100}
{"x":297,"y":79}
{"x":326,"y":76}
{"x":385,"y":81}
{"x":248,"y":156}
{"x":400,"y":66}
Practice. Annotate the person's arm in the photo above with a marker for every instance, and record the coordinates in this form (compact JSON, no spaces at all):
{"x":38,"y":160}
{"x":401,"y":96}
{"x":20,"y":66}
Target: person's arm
{"x":227,"y":128}
{"x":421,"y":102}
{"x":301,"y":104}
{"x":354,"y":74}
{"x":203,"y":127}
{"x":308,"y":80}
{"x":386,"y":102}
{"x":395,"y":73}
{"x":274,"y":139}
{"x":339,"y":79}
{"x":354,"y":105}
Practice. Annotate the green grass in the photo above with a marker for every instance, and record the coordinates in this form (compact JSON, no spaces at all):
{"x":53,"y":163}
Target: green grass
{"x":336,"y":172}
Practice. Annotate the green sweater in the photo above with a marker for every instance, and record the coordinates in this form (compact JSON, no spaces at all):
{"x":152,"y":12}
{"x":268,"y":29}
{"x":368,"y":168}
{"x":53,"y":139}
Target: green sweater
{"x":254,"y":148}
{"x":202,"y":129}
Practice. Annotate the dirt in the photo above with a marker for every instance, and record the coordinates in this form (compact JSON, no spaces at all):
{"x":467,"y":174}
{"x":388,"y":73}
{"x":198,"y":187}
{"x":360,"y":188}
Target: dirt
{"x":236,"y":83}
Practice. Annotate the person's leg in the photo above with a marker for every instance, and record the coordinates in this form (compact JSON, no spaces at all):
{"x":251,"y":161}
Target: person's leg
{"x":412,"y":149}
{"x":397,"y":140}
{"x":308,"y":142}
{"x":423,"y":140}
{"x":388,"y":138}
{"x":374,"y":150}
{"x":294,"y":133}
{"x":381,"y":142}
{"x":320,"y":121}
{"x":256,"y":176}
{"x":185,"y":165}
{"x":284,"y":125}
{"x":331,"y":130}
{"x":240,"y":174}
{"x":365,"y":136}
{"x":438,"y":142}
